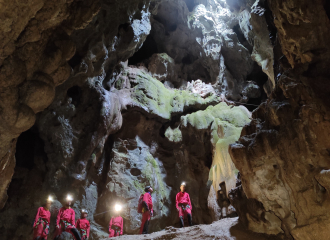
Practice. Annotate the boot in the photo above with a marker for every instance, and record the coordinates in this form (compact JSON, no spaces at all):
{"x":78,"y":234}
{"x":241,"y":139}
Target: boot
{"x":189,"y":219}
{"x":75,"y":234}
{"x":181,"y":222}
{"x":145,"y":227}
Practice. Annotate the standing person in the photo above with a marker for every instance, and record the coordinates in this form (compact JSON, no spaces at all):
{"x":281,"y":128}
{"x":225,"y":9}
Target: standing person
{"x":116,"y":223}
{"x":65,"y":221}
{"x":41,"y":223}
{"x":147,"y":210}
{"x":83,"y":225}
{"x":183,"y":205}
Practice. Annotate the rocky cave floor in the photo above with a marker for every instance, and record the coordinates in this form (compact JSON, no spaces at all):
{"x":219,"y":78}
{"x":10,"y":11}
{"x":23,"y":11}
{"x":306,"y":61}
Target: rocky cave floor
{"x":225,"y":229}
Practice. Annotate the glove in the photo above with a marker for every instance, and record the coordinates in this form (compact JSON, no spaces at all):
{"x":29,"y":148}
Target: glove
{"x":177,"y":209}
{"x":151,"y":213}
{"x":188,"y":206}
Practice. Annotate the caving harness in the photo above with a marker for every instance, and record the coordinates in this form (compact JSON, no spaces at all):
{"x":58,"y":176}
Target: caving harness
{"x":184,"y":206}
{"x":65,"y":224}
{"x":116,"y":229}
{"x":45,"y":224}
{"x":83,"y":233}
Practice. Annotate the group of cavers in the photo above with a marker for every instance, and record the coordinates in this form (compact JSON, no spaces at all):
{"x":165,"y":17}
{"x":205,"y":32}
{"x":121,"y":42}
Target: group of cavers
{"x":65,"y":221}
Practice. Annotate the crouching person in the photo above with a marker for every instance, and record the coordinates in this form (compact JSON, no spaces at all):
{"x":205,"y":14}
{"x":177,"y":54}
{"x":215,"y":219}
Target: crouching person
{"x":41,"y":223}
{"x":65,"y":221}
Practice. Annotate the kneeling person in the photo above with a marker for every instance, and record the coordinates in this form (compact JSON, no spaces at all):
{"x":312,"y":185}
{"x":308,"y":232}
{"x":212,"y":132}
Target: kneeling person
{"x":41,"y":223}
{"x":83,"y":225}
{"x":183,"y":205}
{"x":65,"y":221}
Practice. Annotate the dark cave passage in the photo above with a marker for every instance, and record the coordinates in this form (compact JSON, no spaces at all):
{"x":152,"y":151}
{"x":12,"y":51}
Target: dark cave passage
{"x":75,"y":93}
{"x":259,"y":77}
{"x":241,"y":38}
{"x":327,"y":8}
{"x":29,"y":145}
{"x":148,"y":48}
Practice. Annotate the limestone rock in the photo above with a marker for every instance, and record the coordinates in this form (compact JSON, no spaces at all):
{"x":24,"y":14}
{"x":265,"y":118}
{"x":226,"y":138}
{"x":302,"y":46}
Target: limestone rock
{"x":161,"y":66}
{"x":282,"y":153}
{"x":229,"y":228}
{"x":312,"y":20}
{"x":251,"y":90}
{"x":255,"y":29}
{"x":29,"y":46}
{"x":35,"y":49}
{"x":204,"y":90}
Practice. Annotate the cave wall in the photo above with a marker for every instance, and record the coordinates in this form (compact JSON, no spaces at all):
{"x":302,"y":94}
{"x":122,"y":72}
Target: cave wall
{"x":35,"y":47}
{"x":283,"y":153}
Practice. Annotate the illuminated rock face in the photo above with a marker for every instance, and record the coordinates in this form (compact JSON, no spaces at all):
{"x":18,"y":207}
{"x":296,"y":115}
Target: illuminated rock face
{"x":204,"y":90}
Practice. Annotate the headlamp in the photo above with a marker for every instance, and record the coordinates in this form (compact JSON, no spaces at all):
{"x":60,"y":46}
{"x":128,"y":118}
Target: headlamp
{"x":118,"y":207}
{"x":69,"y":198}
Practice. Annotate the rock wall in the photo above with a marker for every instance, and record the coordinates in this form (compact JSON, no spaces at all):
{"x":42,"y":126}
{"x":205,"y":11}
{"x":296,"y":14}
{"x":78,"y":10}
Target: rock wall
{"x":38,"y":40}
{"x":35,"y":47}
{"x":283,"y":153}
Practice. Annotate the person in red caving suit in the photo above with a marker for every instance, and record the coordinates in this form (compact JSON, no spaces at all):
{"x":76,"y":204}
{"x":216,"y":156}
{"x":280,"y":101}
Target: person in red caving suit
{"x":83,"y":225}
{"x":65,"y":221}
{"x":183,"y":205}
{"x":116,"y":223}
{"x":42,"y":220}
{"x":147,"y":210}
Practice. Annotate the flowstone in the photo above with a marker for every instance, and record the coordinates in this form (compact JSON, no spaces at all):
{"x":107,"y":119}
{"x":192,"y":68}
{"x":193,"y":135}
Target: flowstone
{"x":224,"y":123}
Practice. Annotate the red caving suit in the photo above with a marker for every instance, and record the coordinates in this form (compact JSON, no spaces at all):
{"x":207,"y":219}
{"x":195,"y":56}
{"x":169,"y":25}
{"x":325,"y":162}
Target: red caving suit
{"x":83,"y":227}
{"x":65,"y":219}
{"x":182,"y":200}
{"x":146,"y":214}
{"x":116,"y":226}
{"x":41,"y":223}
